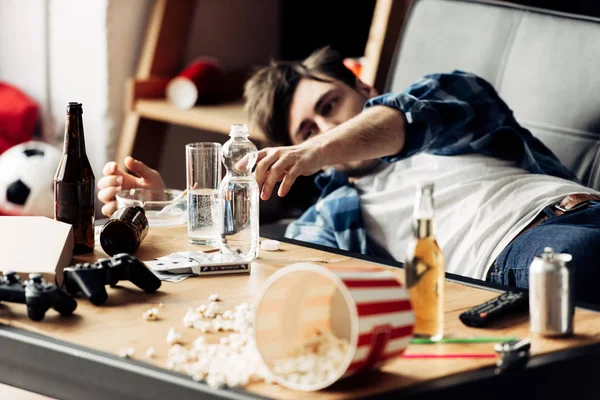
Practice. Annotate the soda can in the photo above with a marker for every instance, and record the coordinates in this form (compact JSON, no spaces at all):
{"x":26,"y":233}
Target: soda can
{"x":551,"y":294}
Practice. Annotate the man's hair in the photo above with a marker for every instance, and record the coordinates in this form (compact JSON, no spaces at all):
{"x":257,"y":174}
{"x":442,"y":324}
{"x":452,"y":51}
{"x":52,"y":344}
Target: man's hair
{"x":270,"y":90}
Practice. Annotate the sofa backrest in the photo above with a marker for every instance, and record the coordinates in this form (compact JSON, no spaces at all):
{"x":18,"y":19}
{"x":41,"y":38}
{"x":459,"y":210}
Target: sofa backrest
{"x":545,"y":65}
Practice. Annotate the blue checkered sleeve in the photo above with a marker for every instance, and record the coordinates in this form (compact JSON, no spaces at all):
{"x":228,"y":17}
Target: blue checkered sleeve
{"x":461,"y":113}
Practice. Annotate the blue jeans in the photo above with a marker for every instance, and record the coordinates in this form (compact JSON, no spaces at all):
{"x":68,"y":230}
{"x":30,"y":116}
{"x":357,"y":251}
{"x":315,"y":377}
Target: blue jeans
{"x":576,"y":232}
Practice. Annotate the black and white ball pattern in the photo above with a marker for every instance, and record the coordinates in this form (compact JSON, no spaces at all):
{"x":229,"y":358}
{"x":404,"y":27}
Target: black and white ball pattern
{"x":27,"y":179}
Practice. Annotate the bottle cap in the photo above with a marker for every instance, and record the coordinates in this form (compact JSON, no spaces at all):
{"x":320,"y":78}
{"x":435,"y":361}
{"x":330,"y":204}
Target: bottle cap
{"x":270,"y":245}
{"x":74,"y":108}
{"x":238,"y":130}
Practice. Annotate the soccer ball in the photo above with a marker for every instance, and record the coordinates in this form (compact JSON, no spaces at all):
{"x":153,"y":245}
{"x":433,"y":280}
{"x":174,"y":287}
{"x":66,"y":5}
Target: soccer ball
{"x":27,"y":179}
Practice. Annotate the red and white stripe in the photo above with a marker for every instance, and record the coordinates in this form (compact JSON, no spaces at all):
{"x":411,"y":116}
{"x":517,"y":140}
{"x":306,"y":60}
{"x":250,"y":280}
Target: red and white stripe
{"x":294,"y":306}
{"x":385,"y":317}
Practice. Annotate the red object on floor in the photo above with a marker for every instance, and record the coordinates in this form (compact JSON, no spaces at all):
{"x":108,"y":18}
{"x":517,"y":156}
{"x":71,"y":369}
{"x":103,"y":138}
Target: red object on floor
{"x":18,"y":117}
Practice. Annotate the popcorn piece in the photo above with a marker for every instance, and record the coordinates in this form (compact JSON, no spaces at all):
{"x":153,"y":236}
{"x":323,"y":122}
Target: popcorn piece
{"x":212,"y":310}
{"x":214,"y":297}
{"x":150,"y":352}
{"x":150,"y":315}
{"x":191,"y":317}
{"x":127,"y":352}
{"x":318,"y":359}
{"x":234,"y":361}
{"x":203,"y":326}
{"x":173,"y":337}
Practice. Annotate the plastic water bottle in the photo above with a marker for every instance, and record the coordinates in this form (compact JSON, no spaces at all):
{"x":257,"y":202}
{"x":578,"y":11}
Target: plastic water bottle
{"x":239,"y":195}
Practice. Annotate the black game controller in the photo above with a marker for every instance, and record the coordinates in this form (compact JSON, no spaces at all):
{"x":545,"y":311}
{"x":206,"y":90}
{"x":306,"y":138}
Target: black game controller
{"x":90,"y":279}
{"x":37,"y":294}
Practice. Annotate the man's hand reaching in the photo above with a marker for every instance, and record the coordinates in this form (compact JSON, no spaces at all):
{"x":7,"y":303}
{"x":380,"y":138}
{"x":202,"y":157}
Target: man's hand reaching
{"x":286,"y":164}
{"x":115,"y":180}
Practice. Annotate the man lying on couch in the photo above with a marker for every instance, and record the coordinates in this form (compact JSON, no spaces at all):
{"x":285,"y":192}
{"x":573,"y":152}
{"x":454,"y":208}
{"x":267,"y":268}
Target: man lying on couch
{"x":501,"y":196}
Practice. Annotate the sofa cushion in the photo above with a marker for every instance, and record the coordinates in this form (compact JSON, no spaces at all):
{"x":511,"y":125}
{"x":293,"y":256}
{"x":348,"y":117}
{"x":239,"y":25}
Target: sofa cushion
{"x":545,"y":65}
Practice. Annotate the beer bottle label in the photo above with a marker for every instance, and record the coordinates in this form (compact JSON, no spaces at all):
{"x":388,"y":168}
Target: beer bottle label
{"x":415,"y":270}
{"x":75,"y":205}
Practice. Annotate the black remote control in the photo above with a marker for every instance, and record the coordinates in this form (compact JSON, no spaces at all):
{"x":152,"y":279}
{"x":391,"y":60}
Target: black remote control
{"x":492,"y":310}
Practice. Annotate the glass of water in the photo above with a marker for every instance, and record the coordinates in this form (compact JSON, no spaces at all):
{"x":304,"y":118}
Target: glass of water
{"x":203,"y":162}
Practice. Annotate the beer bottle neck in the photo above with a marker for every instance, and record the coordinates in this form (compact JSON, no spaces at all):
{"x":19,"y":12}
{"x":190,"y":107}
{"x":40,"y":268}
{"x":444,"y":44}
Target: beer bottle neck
{"x":423,"y":228}
{"x":423,"y":212}
{"x":74,"y":139}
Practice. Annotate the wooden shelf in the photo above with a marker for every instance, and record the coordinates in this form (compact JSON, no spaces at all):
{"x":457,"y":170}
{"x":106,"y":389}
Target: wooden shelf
{"x":215,"y":118}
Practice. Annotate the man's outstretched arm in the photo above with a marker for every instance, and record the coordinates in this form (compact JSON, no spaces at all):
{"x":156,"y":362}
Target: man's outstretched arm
{"x":443,"y":114}
{"x":376,"y":132}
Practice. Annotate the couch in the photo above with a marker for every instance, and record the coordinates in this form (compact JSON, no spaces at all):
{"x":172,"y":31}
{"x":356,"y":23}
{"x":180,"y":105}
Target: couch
{"x":544,"y":64}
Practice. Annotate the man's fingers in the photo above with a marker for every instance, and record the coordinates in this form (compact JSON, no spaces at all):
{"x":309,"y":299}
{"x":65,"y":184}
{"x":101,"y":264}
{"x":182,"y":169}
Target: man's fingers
{"x":262,"y":154}
{"x":276,"y":172}
{"x":288,"y":181}
{"x":139,"y":168}
{"x":111,"y":168}
{"x":240,"y":166}
{"x":260,"y":174}
{"x":111,"y":180}
{"x":109,"y":194}
{"x":109,"y":208}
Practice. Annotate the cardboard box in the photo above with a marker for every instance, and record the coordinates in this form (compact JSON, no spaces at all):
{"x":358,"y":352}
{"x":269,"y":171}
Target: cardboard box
{"x":35,"y":244}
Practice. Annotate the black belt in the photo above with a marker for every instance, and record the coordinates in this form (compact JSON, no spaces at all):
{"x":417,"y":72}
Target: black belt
{"x":570,"y":203}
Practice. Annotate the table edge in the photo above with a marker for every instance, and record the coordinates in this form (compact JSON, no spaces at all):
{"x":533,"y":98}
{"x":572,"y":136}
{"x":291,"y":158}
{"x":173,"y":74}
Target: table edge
{"x":137,"y":379}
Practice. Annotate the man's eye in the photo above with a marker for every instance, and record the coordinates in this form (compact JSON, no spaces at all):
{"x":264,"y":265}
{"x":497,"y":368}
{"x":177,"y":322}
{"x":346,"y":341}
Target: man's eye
{"x":328,"y":107}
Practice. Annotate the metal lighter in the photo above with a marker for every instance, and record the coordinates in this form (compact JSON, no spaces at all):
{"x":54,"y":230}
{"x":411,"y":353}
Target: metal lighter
{"x":551,"y":294}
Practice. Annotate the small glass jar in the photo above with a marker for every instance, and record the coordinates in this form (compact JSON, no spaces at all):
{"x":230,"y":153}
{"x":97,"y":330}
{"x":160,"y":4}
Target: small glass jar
{"x":125,"y":231}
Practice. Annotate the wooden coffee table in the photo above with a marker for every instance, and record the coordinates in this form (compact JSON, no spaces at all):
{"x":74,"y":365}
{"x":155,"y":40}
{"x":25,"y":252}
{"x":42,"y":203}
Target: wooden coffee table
{"x":77,"y":357}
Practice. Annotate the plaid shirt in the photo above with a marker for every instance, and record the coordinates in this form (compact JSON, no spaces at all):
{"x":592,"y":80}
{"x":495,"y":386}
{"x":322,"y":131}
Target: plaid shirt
{"x":447,"y":114}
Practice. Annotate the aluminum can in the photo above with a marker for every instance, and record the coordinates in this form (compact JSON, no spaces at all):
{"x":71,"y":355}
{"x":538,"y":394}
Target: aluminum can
{"x":551,"y":294}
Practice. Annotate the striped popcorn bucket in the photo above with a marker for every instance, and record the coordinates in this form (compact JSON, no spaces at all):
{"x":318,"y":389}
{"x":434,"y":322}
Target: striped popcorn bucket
{"x":368,"y":308}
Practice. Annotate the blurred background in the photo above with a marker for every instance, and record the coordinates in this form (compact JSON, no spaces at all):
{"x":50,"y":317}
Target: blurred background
{"x":56,"y":51}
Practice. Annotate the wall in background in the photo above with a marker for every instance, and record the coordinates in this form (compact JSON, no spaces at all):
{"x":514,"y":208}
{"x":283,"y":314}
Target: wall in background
{"x":23,"y":61}
{"x":239,"y":33}
{"x":77,"y":70}
{"x":70,"y":50}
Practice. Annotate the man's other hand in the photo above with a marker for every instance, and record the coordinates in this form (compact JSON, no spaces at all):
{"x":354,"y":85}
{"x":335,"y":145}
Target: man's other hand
{"x":115,"y":180}
{"x":286,"y":164}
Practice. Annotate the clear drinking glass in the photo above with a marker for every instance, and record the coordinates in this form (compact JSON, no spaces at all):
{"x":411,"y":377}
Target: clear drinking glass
{"x":203,"y":162}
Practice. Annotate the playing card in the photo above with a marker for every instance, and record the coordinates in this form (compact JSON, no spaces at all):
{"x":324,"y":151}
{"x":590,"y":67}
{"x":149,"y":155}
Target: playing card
{"x":168,"y":277}
{"x":200,"y":263}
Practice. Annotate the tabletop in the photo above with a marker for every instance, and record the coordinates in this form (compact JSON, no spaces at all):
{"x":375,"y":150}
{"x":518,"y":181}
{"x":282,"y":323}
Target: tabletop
{"x":118,"y":324}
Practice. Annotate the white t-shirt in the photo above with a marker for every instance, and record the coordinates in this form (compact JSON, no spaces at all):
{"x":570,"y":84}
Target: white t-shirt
{"x":481,"y":204}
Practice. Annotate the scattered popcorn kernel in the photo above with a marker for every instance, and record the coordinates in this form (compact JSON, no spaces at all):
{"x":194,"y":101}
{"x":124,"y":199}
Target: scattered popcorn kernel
{"x":173,"y":337}
{"x":127,"y":352}
{"x":214,"y":297}
{"x":150,"y":352}
{"x":151,"y":314}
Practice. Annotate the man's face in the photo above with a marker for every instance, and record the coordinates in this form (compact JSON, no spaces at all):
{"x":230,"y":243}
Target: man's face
{"x":320,"y":106}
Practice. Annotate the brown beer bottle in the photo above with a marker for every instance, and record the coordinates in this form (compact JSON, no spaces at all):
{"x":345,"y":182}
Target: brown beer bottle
{"x":425,"y":270}
{"x":74,"y":183}
{"x":125,"y":231}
